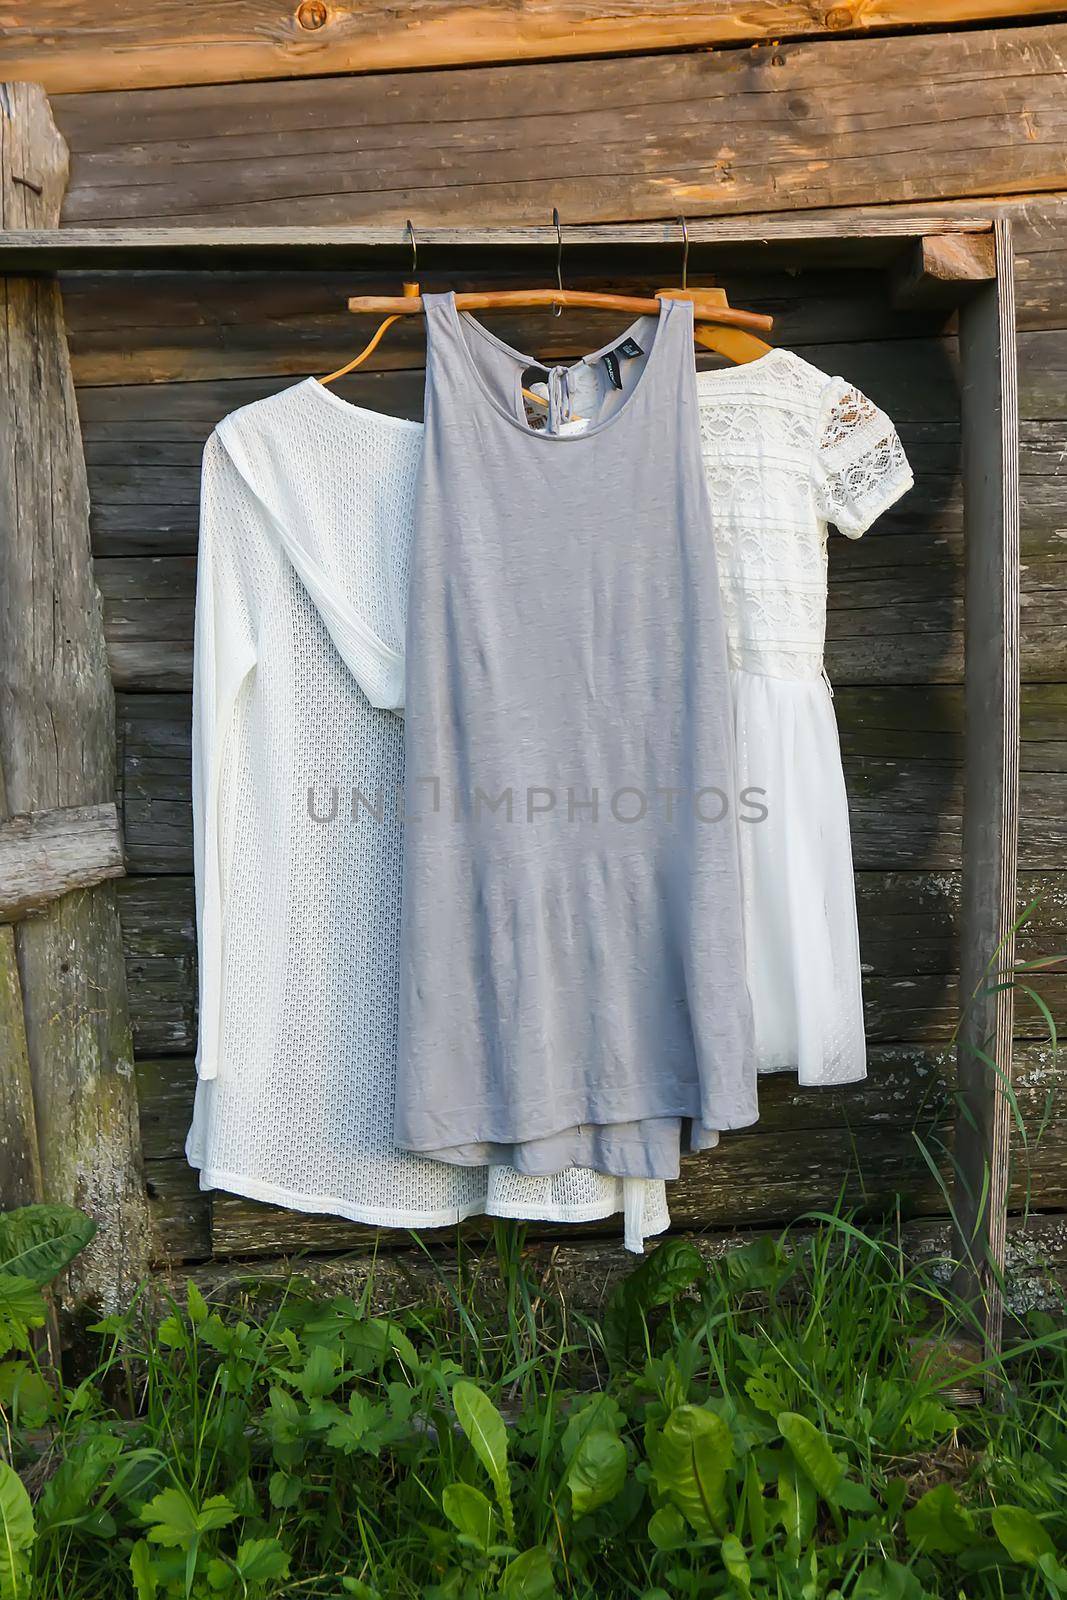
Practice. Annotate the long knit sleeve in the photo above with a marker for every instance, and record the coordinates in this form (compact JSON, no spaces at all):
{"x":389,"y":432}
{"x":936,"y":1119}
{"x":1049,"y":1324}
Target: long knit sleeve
{"x":234,"y":566}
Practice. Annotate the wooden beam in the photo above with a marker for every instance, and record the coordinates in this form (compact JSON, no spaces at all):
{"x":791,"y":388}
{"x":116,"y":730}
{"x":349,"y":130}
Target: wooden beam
{"x":57,"y":739}
{"x":21,"y":1183}
{"x":20,"y":1161}
{"x":940,"y":270}
{"x":908,"y":935}
{"x":47,"y":854}
{"x":775,"y":128}
{"x":991,"y":799}
{"x":121,"y":249}
{"x":581,"y":1274}
{"x":74,"y":48}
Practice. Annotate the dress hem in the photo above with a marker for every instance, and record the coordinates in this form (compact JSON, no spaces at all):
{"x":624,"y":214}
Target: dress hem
{"x":326,"y":1205}
{"x":713,"y":1119}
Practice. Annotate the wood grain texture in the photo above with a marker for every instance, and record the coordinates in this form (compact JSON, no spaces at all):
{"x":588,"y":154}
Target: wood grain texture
{"x":902,"y":748}
{"x":776,"y":128}
{"x":72,"y":46}
{"x":57,"y":740}
{"x":866,"y":1140}
{"x":909,"y":940}
{"x":581,"y":1274}
{"x":940,"y":270}
{"x":177,"y":326}
{"x":165,"y":327}
{"x":21,"y":1182}
{"x":48,"y":853}
{"x":991,"y":785}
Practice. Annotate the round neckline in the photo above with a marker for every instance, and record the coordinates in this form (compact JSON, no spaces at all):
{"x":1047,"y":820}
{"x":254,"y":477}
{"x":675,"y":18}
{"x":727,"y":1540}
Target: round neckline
{"x":358,"y":411}
{"x":457,"y":320}
{"x":718,"y":374}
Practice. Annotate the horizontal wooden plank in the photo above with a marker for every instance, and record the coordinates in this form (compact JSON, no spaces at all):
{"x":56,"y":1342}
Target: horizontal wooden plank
{"x":847,"y":236}
{"x":891,"y":618}
{"x":71,"y":50}
{"x":866,"y":1139}
{"x":192,"y":326}
{"x":908,"y":938}
{"x":906,"y":1081}
{"x":46,"y":854}
{"x":184,"y":327}
{"x":181,"y":326}
{"x":902,"y":751}
{"x":180,"y":1212}
{"x":580,"y":1275}
{"x":780,"y":127}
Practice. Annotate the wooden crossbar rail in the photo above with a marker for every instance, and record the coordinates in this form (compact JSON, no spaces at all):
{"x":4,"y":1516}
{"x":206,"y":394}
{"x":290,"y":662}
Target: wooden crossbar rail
{"x":52,"y":249}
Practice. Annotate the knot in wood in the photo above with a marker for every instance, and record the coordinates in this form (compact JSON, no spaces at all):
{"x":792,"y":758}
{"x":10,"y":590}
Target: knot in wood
{"x":312,"y":14}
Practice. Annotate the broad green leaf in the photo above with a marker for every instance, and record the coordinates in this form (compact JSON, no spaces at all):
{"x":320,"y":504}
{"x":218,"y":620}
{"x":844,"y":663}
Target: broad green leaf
{"x":529,"y":1576}
{"x":261,"y":1560}
{"x":361,"y":1590}
{"x":484,"y":1427}
{"x":671,"y":1269}
{"x":600,"y":1413}
{"x":852,"y":1496}
{"x":220,"y":1575}
{"x":17,"y":1533}
{"x":887,"y":1580}
{"x":597,"y":1472}
{"x":1054,"y":1575}
{"x":938,"y":1522}
{"x":196,"y":1304}
{"x":468,"y":1510}
{"x":144,"y":1579}
{"x":690,"y":1458}
{"x":319,"y":1376}
{"x":67,"y":1497}
{"x":812,"y":1453}
{"x":799,"y":1508}
{"x":37,"y":1242}
{"x":285,"y":1489}
{"x":358,"y":1428}
{"x":173,"y":1519}
{"x":765,"y":1390}
{"x":736,"y":1563}
{"x":1023,"y":1537}
{"x":369,"y":1344}
{"x":25,"y":1393}
{"x":21,"y":1308}
{"x":667,"y":1528}
{"x":755,"y":1505}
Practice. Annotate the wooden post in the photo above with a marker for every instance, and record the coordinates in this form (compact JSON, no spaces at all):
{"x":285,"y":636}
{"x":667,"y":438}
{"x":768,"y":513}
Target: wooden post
{"x":57,"y":742}
{"x":991,"y":796}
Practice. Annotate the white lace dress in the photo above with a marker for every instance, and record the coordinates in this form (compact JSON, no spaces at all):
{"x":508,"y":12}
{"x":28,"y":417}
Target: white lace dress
{"x":788,"y":450}
{"x":306,"y":517}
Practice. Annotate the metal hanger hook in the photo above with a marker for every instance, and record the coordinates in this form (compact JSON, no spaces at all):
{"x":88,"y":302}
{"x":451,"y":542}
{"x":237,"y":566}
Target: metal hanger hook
{"x":410,"y":226}
{"x":557,"y":311}
{"x":685,"y":251}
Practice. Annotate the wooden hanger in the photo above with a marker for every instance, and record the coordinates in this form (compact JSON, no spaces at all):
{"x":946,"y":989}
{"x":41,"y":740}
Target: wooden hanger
{"x":719,"y":326}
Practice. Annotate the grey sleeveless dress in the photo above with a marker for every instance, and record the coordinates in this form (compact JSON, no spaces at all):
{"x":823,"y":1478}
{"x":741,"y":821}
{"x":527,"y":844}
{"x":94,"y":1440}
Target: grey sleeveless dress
{"x":572,"y":965}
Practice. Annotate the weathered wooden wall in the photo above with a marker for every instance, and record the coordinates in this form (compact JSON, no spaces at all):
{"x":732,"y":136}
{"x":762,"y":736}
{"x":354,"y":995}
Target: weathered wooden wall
{"x":816,"y":122}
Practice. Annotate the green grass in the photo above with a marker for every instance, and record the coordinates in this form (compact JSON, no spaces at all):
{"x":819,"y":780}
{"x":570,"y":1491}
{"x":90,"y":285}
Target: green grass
{"x":775,"y":1424}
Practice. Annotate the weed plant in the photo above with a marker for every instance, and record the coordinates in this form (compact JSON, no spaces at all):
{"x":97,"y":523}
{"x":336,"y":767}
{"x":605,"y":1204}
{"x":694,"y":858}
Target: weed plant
{"x":782,"y":1424}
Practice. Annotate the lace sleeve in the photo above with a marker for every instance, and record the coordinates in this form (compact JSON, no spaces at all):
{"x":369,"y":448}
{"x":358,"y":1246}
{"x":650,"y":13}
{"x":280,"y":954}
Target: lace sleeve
{"x":861,"y":468}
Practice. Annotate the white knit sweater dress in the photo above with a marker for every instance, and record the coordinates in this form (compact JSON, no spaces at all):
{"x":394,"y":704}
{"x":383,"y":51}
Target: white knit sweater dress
{"x":305,"y":526}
